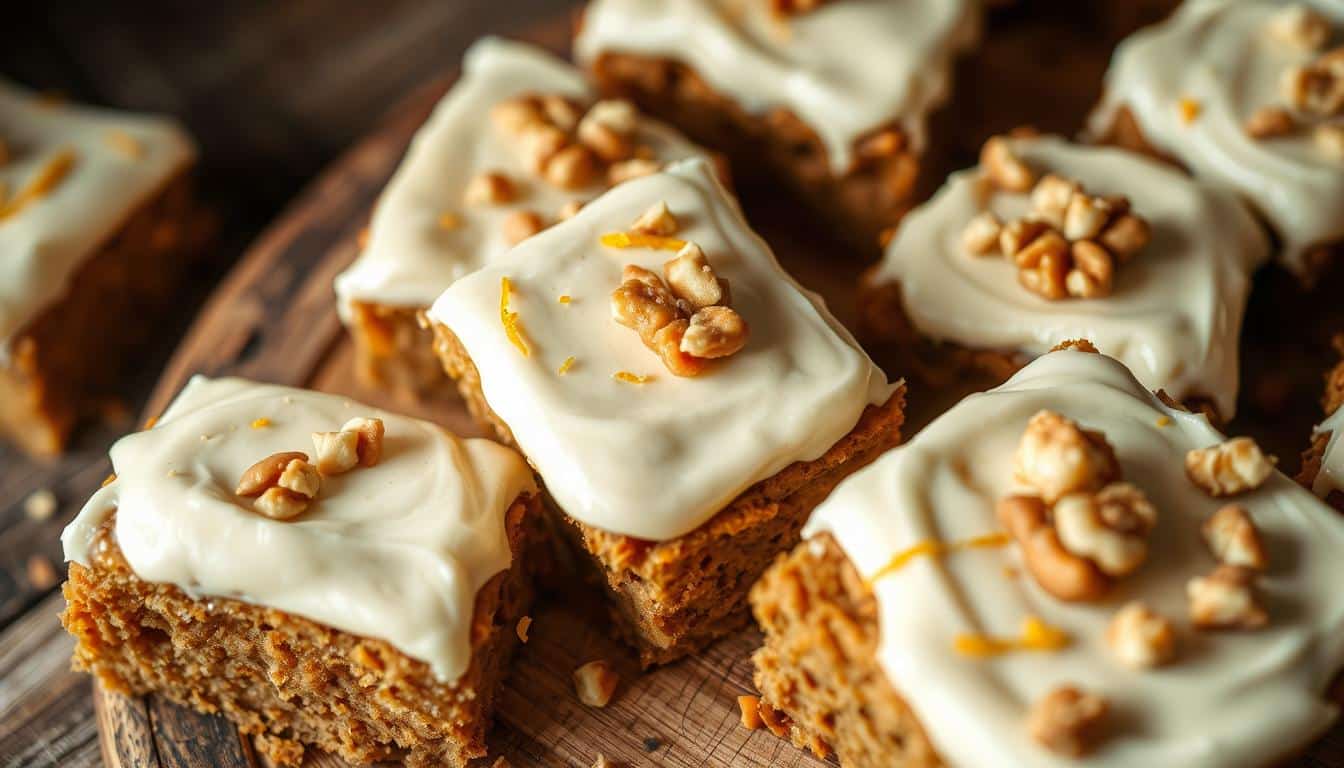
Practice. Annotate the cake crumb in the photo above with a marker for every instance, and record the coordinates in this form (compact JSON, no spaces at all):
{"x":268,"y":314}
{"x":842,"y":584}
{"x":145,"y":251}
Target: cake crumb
{"x":40,"y":505}
{"x":41,"y":574}
{"x":595,"y":683}
{"x":524,"y":624}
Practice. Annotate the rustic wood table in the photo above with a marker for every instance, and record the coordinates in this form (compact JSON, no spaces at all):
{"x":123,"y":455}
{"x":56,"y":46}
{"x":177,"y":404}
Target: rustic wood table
{"x":278,"y":92}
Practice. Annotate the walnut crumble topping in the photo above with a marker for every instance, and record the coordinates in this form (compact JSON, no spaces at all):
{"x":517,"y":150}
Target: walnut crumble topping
{"x":1312,"y":94}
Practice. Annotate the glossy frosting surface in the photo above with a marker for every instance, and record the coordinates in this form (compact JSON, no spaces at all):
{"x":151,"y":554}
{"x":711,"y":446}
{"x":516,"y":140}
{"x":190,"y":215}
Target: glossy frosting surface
{"x":120,"y":160}
{"x":1219,"y":55}
{"x":1228,"y":699}
{"x":1175,"y":315}
{"x":844,"y":69}
{"x":411,"y":258}
{"x":396,"y":551}
{"x":655,"y":460}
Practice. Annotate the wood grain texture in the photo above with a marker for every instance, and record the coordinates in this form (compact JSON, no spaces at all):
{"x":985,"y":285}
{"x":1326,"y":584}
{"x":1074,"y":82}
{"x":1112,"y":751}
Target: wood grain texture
{"x":273,"y":318}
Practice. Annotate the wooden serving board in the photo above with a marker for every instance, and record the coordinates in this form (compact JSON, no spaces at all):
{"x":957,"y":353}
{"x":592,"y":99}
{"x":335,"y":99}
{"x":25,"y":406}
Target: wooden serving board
{"x":274,"y":319}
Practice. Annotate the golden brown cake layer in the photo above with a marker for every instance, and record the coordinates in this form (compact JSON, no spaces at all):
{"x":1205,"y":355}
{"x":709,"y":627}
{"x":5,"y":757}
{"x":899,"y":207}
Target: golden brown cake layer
{"x":819,"y":666}
{"x":859,"y":202}
{"x":70,"y":361}
{"x":393,"y":351}
{"x":290,"y":681}
{"x":674,"y":597}
{"x":1332,"y":400}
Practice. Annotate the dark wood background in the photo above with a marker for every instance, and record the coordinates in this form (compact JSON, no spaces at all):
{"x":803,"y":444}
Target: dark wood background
{"x":275,"y":91}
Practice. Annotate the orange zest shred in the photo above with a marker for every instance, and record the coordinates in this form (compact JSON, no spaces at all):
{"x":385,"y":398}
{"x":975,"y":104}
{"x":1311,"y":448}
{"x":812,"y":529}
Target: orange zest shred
{"x":46,"y":180}
{"x":448,"y":221}
{"x":1190,"y":110}
{"x":935,"y":548}
{"x":1164,"y":421}
{"x":110,"y":479}
{"x":565,"y":366}
{"x":150,"y":422}
{"x":1036,"y":636}
{"x":564,"y":299}
{"x":512,"y":328}
{"x":261,"y":423}
{"x":631,"y":378}
{"x":640,"y":240}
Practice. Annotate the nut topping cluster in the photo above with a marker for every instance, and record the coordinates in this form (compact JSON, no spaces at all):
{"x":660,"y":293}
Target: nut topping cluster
{"x":684,"y":315}
{"x":1082,"y":528}
{"x":565,"y":146}
{"x":285,"y":483}
{"x":1312,"y":93}
{"x":1071,"y":243}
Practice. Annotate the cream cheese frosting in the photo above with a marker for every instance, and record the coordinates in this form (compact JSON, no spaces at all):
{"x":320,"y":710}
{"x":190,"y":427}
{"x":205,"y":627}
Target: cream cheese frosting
{"x":1331,"y":476}
{"x":117,"y":162}
{"x":1220,"y":57}
{"x":411,"y":258}
{"x":396,"y":551}
{"x":1229,"y":699}
{"x":1175,"y":314}
{"x":655,"y":460}
{"x":844,"y":69}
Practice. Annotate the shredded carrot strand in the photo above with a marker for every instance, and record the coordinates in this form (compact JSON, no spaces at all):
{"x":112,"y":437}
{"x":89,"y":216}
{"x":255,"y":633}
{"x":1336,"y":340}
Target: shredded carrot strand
{"x":1036,"y":636}
{"x":565,"y":366}
{"x":639,"y":240}
{"x":935,"y":548}
{"x":512,"y":327}
{"x":46,"y":180}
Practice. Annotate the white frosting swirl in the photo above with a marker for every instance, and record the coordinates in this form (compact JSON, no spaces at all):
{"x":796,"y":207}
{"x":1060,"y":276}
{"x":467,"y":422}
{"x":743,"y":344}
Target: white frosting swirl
{"x":1331,"y":476}
{"x":1220,"y":55}
{"x":843,"y":69}
{"x":656,"y":460}
{"x":120,"y":161}
{"x":1175,"y":315}
{"x":411,"y":258}
{"x":396,"y":551}
{"x":1229,"y":699}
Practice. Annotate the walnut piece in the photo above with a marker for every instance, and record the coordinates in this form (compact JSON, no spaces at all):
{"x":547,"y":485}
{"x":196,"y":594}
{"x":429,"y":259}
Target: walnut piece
{"x":1229,"y":468}
{"x":1233,"y":538}
{"x":715,"y":332}
{"x":1300,"y":26}
{"x":489,"y":188}
{"x":265,"y":474}
{"x":1225,"y":599}
{"x":1057,"y":457}
{"x":1270,"y":122}
{"x":1068,"y":720}
{"x":300,"y":477}
{"x":369,"y":447}
{"x":1003,"y":167}
{"x":1109,"y":528}
{"x":1141,"y":638}
{"x":633,"y":168}
{"x":750,"y":708}
{"x":692,"y":279}
{"x":280,"y":503}
{"x":337,"y":452}
{"x":1050,"y":198}
{"x":573,"y":167}
{"x":982,"y":234}
{"x":595,"y":683}
{"x":1316,"y":88}
{"x":657,"y":220}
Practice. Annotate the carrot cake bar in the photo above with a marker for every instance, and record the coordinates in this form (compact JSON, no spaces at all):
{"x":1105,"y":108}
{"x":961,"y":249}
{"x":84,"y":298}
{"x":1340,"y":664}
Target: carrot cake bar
{"x":684,"y":401}
{"x":1047,"y":241}
{"x":95,"y":221}
{"x":1323,"y":463}
{"x":321,"y":572}
{"x":517,"y":144}
{"x":1063,"y":570}
{"x":1249,"y":95}
{"x":831,"y":98}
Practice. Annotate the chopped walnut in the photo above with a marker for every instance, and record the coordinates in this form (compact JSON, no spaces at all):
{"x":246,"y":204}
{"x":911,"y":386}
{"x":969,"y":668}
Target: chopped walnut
{"x":1093,"y":272}
{"x":1229,"y":468}
{"x":1226,"y":599}
{"x":512,"y":116}
{"x":643,"y":302}
{"x":281,"y":503}
{"x":715,"y":332}
{"x":656,"y":220}
{"x":1140,"y":637}
{"x":608,"y":130}
{"x":301,"y":478}
{"x":520,"y":225}
{"x":560,"y":111}
{"x":692,"y":279}
{"x":1057,"y":457}
{"x":1050,"y":198}
{"x":336,"y":452}
{"x":1127,"y":235}
{"x":1085,"y":217}
{"x":1233,"y":538}
{"x":634,"y":168}
{"x":1300,"y":26}
{"x":1043,"y":265}
{"x":777,"y":722}
{"x":489,"y":188}
{"x":572,"y":167}
{"x":1068,"y":720}
{"x":265,"y":474}
{"x":982,"y":234}
{"x":1315,"y":88}
{"x":1270,"y":122}
{"x":1109,"y":528}
{"x":1058,"y":571}
{"x":538,"y":143}
{"x":1016,"y":235}
{"x":369,"y":447}
{"x":595,"y":683}
{"x":1003,"y":167}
